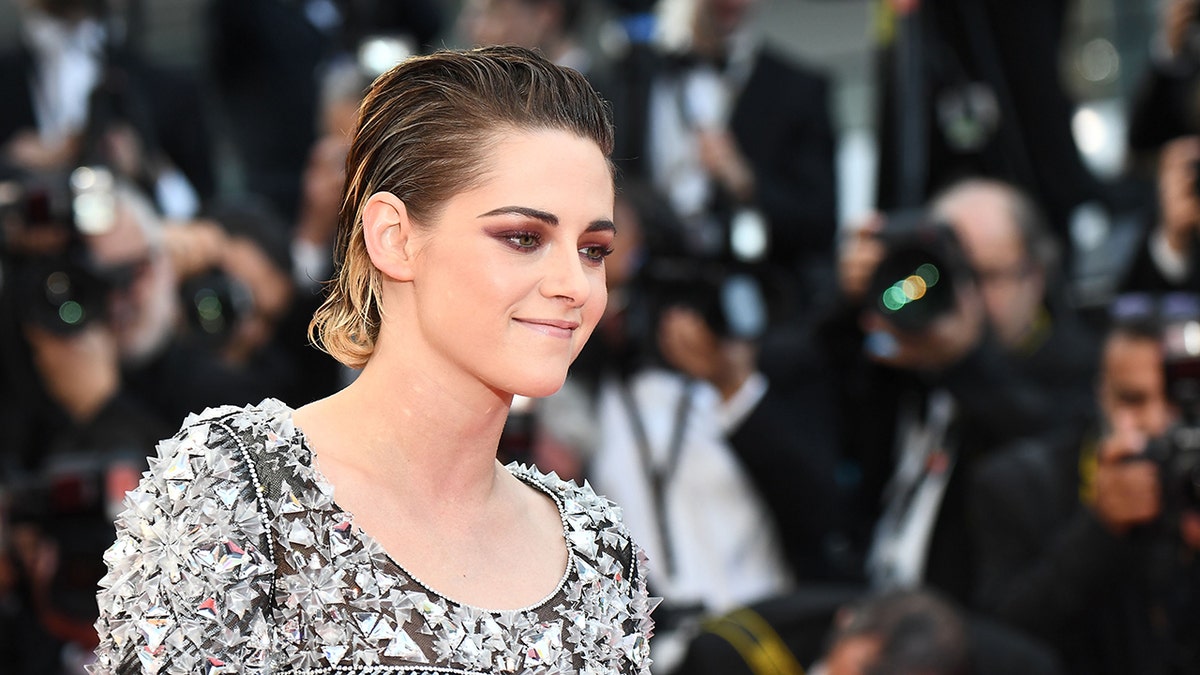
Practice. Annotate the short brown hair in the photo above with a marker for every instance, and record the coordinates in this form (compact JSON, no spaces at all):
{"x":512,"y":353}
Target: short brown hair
{"x":423,"y":130}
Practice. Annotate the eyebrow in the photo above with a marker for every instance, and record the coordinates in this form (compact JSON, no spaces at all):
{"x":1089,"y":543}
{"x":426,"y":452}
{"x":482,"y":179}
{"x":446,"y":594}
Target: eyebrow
{"x":548,"y":218}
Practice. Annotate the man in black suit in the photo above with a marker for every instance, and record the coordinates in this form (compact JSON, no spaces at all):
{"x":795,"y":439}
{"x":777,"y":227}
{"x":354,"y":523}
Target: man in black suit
{"x":265,"y":59}
{"x":735,"y":134}
{"x":1006,"y":359}
{"x":973,"y":88}
{"x":74,"y":94}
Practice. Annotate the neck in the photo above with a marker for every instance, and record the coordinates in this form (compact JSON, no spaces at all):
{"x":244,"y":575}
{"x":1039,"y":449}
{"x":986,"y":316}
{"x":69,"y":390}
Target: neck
{"x":407,"y":427}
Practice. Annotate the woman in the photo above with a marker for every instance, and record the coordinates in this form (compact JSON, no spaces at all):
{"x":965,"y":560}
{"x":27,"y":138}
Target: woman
{"x":374,"y":529}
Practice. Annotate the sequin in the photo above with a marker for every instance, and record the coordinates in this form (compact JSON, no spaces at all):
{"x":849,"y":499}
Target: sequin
{"x":154,"y":626}
{"x":208,"y":609}
{"x":232,"y":557}
{"x":404,"y":647}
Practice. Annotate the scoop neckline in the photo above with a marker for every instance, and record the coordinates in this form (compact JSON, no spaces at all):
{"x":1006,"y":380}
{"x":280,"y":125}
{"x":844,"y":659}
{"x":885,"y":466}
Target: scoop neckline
{"x":522,"y":474}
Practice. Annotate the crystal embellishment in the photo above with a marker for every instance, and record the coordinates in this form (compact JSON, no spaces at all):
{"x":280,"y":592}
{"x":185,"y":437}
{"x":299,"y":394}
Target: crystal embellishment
{"x":232,"y":557}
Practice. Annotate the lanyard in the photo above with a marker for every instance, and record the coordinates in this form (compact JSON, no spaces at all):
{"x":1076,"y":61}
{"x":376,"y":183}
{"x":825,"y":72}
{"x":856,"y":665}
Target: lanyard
{"x":659,"y":476}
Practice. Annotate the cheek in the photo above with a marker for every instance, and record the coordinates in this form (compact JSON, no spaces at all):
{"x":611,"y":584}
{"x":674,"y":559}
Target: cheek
{"x":592,"y":312}
{"x":996,"y":299}
{"x":1164,"y":413}
{"x":597,"y":300}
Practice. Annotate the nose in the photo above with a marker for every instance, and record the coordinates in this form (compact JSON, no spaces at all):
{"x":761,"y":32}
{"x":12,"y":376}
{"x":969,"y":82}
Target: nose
{"x":566,"y":278}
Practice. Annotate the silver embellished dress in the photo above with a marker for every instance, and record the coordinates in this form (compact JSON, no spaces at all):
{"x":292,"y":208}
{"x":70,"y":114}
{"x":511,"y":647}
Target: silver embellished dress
{"x":232,"y":557}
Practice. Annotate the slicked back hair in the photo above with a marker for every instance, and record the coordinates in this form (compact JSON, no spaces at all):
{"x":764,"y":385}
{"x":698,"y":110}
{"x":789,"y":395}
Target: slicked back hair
{"x":423,"y":133}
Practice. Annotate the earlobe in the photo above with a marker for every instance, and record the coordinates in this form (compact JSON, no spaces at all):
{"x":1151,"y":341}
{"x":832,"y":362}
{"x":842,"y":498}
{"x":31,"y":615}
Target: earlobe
{"x":386,"y":230}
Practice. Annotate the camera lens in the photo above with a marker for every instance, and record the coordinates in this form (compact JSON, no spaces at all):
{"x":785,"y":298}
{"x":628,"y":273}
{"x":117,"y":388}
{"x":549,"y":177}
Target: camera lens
{"x":215,"y":303}
{"x":59,"y":295}
{"x":911,"y":289}
{"x":913,"y":285}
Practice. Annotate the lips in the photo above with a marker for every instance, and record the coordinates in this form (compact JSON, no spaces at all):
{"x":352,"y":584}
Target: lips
{"x":552,"y":327}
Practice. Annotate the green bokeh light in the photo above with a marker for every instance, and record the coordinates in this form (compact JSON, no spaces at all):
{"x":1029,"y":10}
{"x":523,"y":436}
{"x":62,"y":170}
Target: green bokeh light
{"x":929,"y":272}
{"x":70,"y":312}
{"x":894,"y":298}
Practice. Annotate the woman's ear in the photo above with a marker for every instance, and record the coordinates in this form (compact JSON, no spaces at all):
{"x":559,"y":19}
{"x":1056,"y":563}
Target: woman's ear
{"x":387,"y":231}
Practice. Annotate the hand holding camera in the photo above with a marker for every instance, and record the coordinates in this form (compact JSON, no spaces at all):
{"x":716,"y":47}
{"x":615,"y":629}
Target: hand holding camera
{"x":944,"y":341}
{"x":29,"y":151}
{"x":80,"y":371}
{"x":858,"y":257}
{"x":725,"y":162}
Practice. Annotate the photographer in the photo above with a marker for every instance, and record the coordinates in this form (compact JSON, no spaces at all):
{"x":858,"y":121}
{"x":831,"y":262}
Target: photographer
{"x":65,"y":324}
{"x":238,"y":285}
{"x":129,"y":274}
{"x":734,"y":132}
{"x":1082,"y":542}
{"x":1164,"y":105}
{"x":926,"y":392}
{"x":75,"y":439}
{"x":1166,"y":258}
{"x":1164,"y":142}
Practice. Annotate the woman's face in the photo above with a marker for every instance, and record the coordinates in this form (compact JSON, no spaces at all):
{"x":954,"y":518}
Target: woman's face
{"x":508,"y":281}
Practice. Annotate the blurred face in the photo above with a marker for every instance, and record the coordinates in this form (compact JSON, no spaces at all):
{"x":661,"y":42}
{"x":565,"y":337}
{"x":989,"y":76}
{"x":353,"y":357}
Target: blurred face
{"x":509,"y":280}
{"x":722,"y":18}
{"x":506,"y":22}
{"x":142,"y":309}
{"x":1132,"y":390}
{"x":1011,"y":286}
{"x":852,"y":655}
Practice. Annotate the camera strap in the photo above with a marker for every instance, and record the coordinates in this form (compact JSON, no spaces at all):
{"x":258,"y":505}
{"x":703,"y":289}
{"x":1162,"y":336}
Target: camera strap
{"x":659,"y":476}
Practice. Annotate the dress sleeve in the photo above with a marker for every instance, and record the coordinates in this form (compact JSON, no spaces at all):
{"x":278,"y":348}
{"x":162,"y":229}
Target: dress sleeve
{"x":190,"y":573}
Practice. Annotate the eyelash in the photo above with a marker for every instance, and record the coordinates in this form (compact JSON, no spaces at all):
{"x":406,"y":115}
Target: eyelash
{"x":513,"y":238}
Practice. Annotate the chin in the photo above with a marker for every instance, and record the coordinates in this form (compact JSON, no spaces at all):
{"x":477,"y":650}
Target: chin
{"x":539,"y":391}
{"x":540,"y":387}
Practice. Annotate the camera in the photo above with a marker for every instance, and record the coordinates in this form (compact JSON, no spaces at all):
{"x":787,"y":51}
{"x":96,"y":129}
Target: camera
{"x":214,"y":302}
{"x":914,"y":284}
{"x":80,"y":200}
{"x":45,"y":217}
{"x":1177,"y":452}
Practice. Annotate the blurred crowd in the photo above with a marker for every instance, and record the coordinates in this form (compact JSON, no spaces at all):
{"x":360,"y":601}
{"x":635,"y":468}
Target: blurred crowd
{"x":904,"y":444}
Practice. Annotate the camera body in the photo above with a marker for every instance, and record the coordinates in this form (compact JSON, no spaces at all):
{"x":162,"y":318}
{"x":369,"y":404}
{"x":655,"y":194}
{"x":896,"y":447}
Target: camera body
{"x":55,"y":284}
{"x":214,"y":303}
{"x":1177,"y":452}
{"x":914,"y":284}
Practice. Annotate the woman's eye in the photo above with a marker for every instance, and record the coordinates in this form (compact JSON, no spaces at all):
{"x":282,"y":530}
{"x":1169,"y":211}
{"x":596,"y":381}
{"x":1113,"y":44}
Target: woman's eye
{"x":524,"y":239}
{"x":596,"y":254}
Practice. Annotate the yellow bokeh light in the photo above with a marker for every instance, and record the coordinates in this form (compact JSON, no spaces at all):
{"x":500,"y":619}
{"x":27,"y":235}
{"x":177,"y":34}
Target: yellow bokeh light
{"x":914,"y":287}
